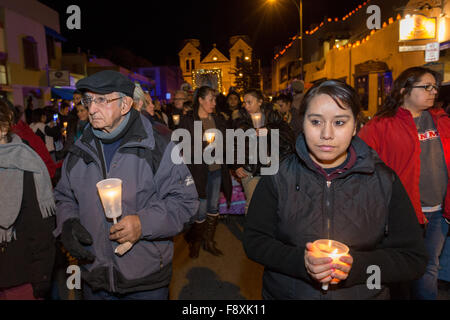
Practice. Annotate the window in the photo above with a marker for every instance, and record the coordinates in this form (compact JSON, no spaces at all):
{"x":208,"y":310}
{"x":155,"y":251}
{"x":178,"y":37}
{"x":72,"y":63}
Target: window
{"x":362,"y":87}
{"x":187,"y":66}
{"x":50,"y":48}
{"x":192,"y":64}
{"x":30,"y":53}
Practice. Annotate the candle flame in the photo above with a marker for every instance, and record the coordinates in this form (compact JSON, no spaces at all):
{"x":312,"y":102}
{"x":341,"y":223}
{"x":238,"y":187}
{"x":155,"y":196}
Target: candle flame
{"x":210,"y":136}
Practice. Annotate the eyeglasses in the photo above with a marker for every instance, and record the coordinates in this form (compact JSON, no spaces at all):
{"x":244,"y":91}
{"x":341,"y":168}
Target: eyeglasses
{"x":428,"y":87}
{"x":86,"y":101}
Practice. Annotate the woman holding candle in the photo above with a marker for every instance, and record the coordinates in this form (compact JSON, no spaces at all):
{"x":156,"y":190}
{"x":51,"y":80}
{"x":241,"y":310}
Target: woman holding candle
{"x":418,"y":150}
{"x":27,"y":246}
{"x":334,"y":187}
{"x":259,"y":115}
{"x":208,"y":178}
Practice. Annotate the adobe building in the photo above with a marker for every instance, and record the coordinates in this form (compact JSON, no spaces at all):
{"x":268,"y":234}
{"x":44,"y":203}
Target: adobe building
{"x":215,"y":68}
{"x":370,"y":59}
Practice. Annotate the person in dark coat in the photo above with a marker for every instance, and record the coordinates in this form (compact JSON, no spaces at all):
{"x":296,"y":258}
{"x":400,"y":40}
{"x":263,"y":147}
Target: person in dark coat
{"x":333,"y":187}
{"x":208,"y":178}
{"x":250,"y":173}
{"x":27,"y":246}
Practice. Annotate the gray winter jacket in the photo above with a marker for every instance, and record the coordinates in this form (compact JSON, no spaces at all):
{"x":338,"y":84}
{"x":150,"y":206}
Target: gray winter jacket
{"x":164,"y":201}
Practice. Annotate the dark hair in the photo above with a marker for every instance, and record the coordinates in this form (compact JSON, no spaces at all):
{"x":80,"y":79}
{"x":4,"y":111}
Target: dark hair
{"x":254,"y":92}
{"x":234,"y":93}
{"x":406,"y":80}
{"x":344,"y":95}
{"x":201,"y":92}
{"x":6,"y":116}
{"x":283,"y":97}
{"x":37,"y":114}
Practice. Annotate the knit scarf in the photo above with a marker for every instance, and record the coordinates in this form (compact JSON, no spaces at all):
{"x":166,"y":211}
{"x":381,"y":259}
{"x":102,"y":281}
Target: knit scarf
{"x":15,"y":158}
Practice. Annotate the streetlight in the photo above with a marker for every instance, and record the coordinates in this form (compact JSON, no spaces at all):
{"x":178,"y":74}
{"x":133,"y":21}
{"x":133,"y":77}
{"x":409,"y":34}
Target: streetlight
{"x":300,"y":13}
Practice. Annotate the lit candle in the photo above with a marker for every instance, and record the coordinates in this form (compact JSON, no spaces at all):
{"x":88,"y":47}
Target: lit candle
{"x":210,"y":136}
{"x":257,"y":120}
{"x":176,"y":119}
{"x":330,"y":248}
{"x":65,"y":124}
{"x":110,"y":191}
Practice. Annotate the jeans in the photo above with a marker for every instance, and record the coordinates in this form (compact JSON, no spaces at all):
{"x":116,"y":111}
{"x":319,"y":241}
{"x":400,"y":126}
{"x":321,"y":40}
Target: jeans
{"x":436,"y":233}
{"x":211,"y":203}
{"x":444,"y":262}
{"x":157,"y":294}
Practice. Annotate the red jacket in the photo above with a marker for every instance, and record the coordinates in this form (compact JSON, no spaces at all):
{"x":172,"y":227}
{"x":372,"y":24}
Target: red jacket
{"x":24,"y":131}
{"x":396,"y":141}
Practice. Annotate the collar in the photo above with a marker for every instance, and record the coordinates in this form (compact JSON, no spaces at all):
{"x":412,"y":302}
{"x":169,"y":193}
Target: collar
{"x":136,"y":130}
{"x":362,"y":158}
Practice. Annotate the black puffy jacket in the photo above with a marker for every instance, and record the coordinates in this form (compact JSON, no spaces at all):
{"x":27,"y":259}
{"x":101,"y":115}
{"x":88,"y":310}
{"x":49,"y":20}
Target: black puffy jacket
{"x":365,"y":207}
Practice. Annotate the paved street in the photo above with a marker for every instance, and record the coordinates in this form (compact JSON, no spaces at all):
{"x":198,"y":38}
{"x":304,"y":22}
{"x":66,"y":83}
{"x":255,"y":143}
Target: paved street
{"x":231,"y":277}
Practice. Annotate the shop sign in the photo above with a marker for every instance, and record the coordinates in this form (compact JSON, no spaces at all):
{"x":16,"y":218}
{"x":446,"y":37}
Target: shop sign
{"x":417,"y":27}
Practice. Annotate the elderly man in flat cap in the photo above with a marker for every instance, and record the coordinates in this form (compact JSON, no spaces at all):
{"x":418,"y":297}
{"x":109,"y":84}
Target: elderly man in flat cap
{"x":158,"y":196}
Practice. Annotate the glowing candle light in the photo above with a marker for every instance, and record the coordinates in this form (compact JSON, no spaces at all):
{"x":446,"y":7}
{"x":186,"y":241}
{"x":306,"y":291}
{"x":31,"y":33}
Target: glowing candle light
{"x":257,"y":120}
{"x":110,"y":191}
{"x":176,"y":119}
{"x":210,"y":136}
{"x":332,"y":249}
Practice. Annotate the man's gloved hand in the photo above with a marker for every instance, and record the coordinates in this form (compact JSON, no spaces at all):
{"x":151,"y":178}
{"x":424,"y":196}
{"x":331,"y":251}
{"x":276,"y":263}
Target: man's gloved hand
{"x":73,"y":236}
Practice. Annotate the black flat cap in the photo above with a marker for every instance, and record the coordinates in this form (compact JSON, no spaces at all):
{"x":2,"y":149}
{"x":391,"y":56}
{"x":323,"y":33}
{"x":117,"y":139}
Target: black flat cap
{"x":107,"y":81}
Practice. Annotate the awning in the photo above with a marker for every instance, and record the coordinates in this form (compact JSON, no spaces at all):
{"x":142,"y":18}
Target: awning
{"x":52,"y":33}
{"x":63,"y":93}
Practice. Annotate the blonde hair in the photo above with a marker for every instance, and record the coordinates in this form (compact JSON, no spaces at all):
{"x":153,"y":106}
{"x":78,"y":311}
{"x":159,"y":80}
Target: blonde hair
{"x":139,"y":95}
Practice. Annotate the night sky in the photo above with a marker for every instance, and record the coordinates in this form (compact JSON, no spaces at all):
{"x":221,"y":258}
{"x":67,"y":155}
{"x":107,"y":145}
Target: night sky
{"x":154,"y":29}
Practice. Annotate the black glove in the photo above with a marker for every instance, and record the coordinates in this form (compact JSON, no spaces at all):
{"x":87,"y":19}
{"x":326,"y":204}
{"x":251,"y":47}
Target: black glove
{"x":41,"y":290}
{"x":72,"y":236}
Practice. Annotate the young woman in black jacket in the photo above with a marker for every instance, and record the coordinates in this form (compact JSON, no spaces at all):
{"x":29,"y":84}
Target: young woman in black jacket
{"x":334,"y":187}
{"x":208,"y":178}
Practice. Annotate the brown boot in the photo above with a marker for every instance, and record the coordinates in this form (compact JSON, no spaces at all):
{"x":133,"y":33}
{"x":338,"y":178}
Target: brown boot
{"x":194,"y":237}
{"x":209,"y":244}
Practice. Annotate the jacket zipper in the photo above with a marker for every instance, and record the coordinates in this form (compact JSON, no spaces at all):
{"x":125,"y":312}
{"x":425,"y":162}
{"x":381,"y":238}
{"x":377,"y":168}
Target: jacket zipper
{"x":328,"y":209}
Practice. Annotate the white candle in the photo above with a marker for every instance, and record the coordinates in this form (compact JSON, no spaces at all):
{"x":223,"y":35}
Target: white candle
{"x":110,"y":191}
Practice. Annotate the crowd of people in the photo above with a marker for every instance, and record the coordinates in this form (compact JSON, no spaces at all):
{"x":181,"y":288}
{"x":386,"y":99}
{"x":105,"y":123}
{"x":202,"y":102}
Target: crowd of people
{"x":380,"y":187}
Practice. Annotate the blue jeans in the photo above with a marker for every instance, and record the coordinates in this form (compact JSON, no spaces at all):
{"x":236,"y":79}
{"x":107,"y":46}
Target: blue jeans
{"x":157,"y":294}
{"x":211,"y":203}
{"x":436,"y":233}
{"x":444,"y":262}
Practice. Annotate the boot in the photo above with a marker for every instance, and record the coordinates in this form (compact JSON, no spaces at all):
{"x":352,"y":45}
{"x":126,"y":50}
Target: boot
{"x":209,"y":244}
{"x":194,"y":238}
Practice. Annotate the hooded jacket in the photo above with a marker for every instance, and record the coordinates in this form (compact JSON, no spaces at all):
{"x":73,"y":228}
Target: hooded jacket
{"x":163,"y":200}
{"x":364,"y":206}
{"x":396,"y":141}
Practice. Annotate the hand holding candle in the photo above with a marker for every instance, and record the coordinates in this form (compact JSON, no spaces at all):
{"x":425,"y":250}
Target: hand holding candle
{"x":324,"y":263}
{"x":110,"y":191}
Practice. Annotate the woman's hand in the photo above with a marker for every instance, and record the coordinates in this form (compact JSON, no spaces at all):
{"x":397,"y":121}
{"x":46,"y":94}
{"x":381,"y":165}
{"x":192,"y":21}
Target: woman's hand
{"x":323,"y":269}
{"x":240,"y":172}
{"x":320,"y":269}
